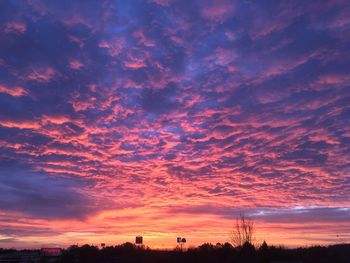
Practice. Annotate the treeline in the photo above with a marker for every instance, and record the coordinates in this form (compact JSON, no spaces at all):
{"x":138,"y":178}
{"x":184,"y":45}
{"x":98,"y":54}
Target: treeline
{"x":220,"y":253}
{"x":206,"y":253}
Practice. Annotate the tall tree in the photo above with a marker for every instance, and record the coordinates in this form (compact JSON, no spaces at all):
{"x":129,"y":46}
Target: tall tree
{"x":243,"y":231}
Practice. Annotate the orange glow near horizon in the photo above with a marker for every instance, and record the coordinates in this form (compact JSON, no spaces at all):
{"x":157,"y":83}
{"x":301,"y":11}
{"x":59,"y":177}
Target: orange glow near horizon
{"x":117,"y":227}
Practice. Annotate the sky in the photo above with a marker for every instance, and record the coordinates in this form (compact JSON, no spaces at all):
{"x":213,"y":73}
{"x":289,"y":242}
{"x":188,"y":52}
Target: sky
{"x":168,"y":118}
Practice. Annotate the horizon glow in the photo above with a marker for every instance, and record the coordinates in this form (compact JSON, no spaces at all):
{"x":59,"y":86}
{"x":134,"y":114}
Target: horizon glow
{"x":167,"y":118}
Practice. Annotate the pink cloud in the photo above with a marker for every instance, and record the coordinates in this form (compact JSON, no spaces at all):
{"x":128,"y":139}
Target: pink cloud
{"x":135,"y":61}
{"x":136,"y":64}
{"x":114,"y":47}
{"x":77,"y":40}
{"x":20,"y":124}
{"x":333,"y":79}
{"x":218,"y":10}
{"x":75,"y":64}
{"x":143,"y":39}
{"x":13,"y":91}
{"x":42,"y":74}
{"x":15,"y":27}
{"x":222,"y":57}
{"x":56,"y":119}
{"x":162,"y":2}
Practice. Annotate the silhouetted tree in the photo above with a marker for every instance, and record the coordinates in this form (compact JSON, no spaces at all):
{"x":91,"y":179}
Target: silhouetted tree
{"x":243,"y":231}
{"x":264,"y":246}
{"x":264,"y":252}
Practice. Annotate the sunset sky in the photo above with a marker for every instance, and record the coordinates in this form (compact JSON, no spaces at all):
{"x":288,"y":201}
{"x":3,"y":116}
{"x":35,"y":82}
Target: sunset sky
{"x":168,"y":118}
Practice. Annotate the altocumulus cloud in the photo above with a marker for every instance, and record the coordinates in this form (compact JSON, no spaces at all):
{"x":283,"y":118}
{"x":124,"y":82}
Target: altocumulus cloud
{"x":123,"y":109}
{"x":39,"y":195}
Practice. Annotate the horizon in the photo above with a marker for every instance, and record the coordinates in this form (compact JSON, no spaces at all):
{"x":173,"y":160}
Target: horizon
{"x":167,"y":118}
{"x":175,"y":247}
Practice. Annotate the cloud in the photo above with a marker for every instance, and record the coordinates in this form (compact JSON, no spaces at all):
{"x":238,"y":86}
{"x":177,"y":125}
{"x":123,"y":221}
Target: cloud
{"x":276,"y":214}
{"x":75,"y":64}
{"x":116,"y":112}
{"x":217,"y":11}
{"x":160,"y":101}
{"x":15,"y":27}
{"x":13,"y":91}
{"x":41,"y":75}
{"x":27,"y":192}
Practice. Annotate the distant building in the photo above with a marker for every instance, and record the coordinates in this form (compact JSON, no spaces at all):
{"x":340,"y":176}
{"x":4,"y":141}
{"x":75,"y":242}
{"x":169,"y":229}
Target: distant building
{"x":20,"y":257}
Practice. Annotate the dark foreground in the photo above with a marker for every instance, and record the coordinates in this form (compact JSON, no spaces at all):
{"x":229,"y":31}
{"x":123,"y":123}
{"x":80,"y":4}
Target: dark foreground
{"x":129,"y":253}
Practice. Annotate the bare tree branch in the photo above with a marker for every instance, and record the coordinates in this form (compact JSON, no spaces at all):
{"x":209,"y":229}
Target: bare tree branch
{"x":243,"y":231}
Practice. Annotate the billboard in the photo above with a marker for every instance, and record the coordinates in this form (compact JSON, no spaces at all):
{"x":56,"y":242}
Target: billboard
{"x":181,"y":240}
{"x":139,"y":240}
